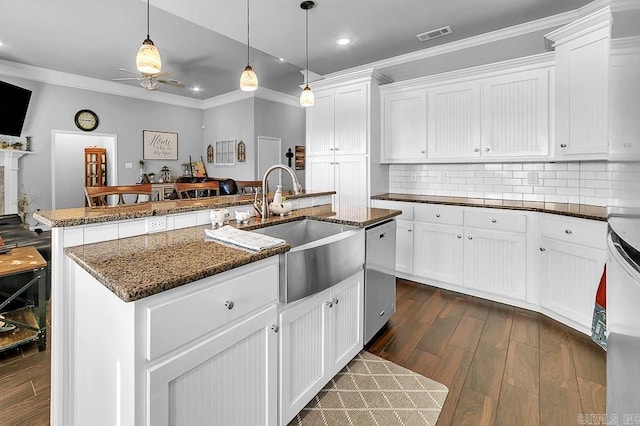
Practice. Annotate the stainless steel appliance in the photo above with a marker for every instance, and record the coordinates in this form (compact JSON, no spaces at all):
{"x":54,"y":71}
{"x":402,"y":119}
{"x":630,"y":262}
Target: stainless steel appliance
{"x":379,"y":277}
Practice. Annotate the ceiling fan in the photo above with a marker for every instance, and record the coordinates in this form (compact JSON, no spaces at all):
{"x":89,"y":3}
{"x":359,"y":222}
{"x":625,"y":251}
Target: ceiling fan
{"x":150,"y":81}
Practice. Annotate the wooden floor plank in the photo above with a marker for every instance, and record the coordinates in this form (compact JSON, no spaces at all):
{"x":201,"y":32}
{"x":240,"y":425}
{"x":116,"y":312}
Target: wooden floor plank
{"x":517,"y":407}
{"x":10,"y":396}
{"x":556,"y":367}
{"x":593,"y":396}
{"x":452,"y":372}
{"x":558,"y":406}
{"x":522,"y":367}
{"x":436,"y":339}
{"x":525,"y":328}
{"x":422,"y":362}
{"x":474,"y":409}
{"x":589,"y":360}
{"x":478,"y":308}
{"x":486,"y":371}
{"x":467,"y":333}
{"x":496,"y":333}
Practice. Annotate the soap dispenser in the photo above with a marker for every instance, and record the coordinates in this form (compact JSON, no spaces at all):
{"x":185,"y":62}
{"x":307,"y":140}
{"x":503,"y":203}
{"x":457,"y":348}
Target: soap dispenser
{"x":277,"y":198}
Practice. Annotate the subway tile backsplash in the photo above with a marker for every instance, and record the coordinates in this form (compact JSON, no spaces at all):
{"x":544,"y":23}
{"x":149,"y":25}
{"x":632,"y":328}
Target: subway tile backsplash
{"x":585,"y":182}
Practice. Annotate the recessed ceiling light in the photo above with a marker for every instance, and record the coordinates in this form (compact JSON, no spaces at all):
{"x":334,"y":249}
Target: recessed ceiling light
{"x":281,"y":59}
{"x":1,"y":44}
{"x":343,"y":41}
{"x":195,"y":89}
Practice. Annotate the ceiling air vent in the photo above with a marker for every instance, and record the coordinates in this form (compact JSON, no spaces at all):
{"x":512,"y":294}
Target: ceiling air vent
{"x":430,"y":35}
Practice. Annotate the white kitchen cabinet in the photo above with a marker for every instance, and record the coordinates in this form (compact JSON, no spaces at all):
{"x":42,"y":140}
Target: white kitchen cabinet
{"x":319,"y":335}
{"x":582,"y":86}
{"x":453,"y":121}
{"x":438,"y":252}
{"x":321,"y":125}
{"x":404,"y":246}
{"x":515,"y":114}
{"x":345,"y":174}
{"x":572,"y":258}
{"x":229,"y":378}
{"x":404,"y":126}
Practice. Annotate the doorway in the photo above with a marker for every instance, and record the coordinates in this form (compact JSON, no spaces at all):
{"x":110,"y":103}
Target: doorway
{"x":269,"y":153}
{"x":67,"y":168}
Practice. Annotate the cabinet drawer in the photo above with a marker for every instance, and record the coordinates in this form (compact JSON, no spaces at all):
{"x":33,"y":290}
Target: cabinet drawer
{"x":177,"y":321}
{"x":407,"y":208}
{"x":584,"y":232}
{"x":437,"y":213}
{"x":496,"y":220}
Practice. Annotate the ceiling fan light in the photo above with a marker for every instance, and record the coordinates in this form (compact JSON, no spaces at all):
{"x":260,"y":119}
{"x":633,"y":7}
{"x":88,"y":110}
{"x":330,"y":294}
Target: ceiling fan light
{"x":248,"y":80}
{"x":306,"y":97}
{"x":149,"y":84}
{"x":148,"y":58}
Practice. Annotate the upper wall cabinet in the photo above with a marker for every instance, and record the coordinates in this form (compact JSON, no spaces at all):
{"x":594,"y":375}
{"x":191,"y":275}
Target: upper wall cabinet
{"x":582,"y":83}
{"x":487,"y":113}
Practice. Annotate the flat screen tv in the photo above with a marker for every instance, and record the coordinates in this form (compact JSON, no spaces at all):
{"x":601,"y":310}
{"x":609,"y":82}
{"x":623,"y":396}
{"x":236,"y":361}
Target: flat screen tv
{"x":14,"y":102}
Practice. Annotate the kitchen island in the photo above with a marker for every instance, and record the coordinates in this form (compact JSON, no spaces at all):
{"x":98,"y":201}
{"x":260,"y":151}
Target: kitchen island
{"x":133,"y":310}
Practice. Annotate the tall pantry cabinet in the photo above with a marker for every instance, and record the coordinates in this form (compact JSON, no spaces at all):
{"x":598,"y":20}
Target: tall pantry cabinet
{"x":343,"y":136}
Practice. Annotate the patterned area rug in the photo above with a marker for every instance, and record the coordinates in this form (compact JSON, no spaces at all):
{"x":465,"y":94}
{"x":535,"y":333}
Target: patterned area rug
{"x":374,"y":391}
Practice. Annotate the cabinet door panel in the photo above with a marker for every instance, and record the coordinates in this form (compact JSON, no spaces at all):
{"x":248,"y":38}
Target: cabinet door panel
{"x":320,"y":125}
{"x":346,"y":321}
{"x":454,"y":121}
{"x":404,"y":246}
{"x":405,"y":126}
{"x":303,"y":352}
{"x":320,"y":174}
{"x":569,"y":279}
{"x":351,"y":181}
{"x":229,"y":378}
{"x":351,"y":120}
{"x":495,"y":262}
{"x":438,"y":252}
{"x":515,"y":114}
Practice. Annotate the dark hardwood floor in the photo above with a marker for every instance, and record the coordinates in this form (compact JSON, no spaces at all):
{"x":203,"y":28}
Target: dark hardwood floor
{"x":503,"y":365}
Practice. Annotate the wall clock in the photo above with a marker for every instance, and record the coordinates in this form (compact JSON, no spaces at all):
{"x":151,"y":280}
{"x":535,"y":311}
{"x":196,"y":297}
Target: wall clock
{"x":86,"y":120}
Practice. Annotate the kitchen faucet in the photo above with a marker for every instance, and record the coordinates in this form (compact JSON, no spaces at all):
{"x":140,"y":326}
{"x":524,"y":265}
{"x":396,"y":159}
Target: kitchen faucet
{"x":263,"y":208}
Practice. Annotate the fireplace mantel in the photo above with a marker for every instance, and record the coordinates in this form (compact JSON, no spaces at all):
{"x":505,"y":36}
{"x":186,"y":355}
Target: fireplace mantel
{"x":9,"y":162}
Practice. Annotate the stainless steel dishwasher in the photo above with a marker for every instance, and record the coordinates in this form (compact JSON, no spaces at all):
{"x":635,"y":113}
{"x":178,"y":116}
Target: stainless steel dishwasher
{"x":379,"y":277}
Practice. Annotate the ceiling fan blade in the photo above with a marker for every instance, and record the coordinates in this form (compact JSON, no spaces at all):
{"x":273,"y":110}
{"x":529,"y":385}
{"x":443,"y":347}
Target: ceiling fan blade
{"x":128,"y":72}
{"x":172,"y":82}
{"x":162,"y":75}
{"x":126,"y":78}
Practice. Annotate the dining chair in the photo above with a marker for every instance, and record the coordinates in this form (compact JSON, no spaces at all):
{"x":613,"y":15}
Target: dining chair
{"x":186,"y":190}
{"x":99,"y":195}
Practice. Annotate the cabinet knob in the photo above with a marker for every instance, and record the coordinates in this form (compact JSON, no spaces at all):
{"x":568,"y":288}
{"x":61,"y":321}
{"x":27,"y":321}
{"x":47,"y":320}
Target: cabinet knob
{"x":409,"y":230}
{"x":275,"y":328}
{"x":331,"y":149}
{"x":487,"y":149}
{"x":381,"y":313}
{"x":563,"y":145}
{"x":542,"y":249}
{"x":437,"y":214}
{"x":476,"y":150}
{"x":335,"y":149}
{"x":335,"y":301}
{"x":493,"y":221}
{"x":459,"y":236}
{"x":568,"y":231}
{"x":330,"y":304}
{"x":471,"y":238}
{"x":423,"y":152}
{"x":228,"y":304}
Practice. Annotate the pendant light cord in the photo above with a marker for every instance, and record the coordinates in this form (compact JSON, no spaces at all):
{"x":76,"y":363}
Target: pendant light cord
{"x":248,"y":32}
{"x":147,"y":19}
{"x":307,"y":36}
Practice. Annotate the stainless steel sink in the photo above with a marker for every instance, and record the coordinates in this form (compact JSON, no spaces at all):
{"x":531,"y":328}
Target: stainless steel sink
{"x":322,"y":254}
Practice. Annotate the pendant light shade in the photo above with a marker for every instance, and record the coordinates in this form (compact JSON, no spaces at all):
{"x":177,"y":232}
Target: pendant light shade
{"x":148,"y":58}
{"x":306,"y":97}
{"x":248,"y":79}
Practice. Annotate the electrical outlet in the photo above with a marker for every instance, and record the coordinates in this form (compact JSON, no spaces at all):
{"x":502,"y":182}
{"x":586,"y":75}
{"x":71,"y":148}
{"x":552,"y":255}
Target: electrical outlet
{"x":156,"y":224}
{"x":442,"y":177}
{"x":128,"y":165}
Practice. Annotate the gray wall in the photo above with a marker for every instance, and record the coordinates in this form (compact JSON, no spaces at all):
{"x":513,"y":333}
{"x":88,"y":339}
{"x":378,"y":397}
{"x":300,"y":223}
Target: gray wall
{"x":285,"y":122}
{"x":232,"y":121}
{"x":53,"y":107}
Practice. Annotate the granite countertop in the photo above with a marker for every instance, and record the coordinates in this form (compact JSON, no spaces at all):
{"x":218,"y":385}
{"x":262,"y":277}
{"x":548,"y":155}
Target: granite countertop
{"x":140,"y":266}
{"x":583,"y":211}
{"x":87,"y":215}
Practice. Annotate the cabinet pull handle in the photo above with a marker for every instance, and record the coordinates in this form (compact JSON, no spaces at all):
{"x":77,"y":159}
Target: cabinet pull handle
{"x":335,"y":301}
{"x":493,"y":221}
{"x":542,"y":249}
{"x":568,"y":231}
{"x":476,"y":150}
{"x":275,"y":328}
{"x":331,"y":149}
{"x":335,"y":149}
{"x":460,"y":236}
{"x":381,"y":313}
{"x":330,"y":304}
{"x":487,"y":149}
{"x":228,"y":304}
{"x":563,"y":145}
{"x":423,"y":152}
{"x":437,"y":214}
{"x":409,"y":230}
{"x":382,"y":235}
{"x":471,"y":238}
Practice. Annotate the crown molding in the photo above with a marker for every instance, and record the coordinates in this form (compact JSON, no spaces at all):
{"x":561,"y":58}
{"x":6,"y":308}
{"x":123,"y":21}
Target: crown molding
{"x":601,"y":18}
{"x":352,"y":76}
{"x":59,"y":78}
{"x":261,"y":93}
{"x":273,"y":96}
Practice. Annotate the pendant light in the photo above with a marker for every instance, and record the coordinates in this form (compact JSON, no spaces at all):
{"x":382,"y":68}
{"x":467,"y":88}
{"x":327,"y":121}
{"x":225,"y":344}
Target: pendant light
{"x":306,"y":97}
{"x":248,"y":79}
{"x":148,"y":58}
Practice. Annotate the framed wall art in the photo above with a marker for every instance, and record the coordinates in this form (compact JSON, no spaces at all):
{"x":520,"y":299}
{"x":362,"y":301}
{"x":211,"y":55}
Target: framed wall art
{"x":300,"y":157}
{"x":159,"y":145}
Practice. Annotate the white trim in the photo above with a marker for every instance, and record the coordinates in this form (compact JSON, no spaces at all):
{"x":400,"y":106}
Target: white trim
{"x":541,"y":60}
{"x":362,"y":75}
{"x":598,"y":19}
{"x":283,"y":98}
{"x":30,"y":72}
{"x":226,"y":98}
